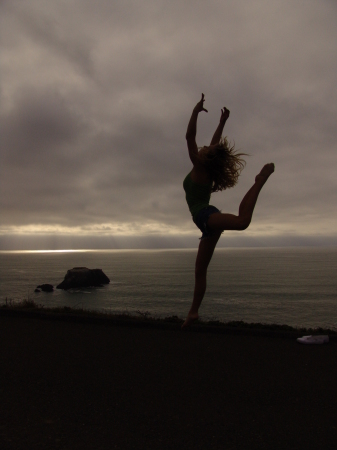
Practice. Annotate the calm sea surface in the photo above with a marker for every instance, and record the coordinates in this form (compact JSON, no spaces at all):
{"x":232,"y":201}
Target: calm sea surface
{"x":294,"y":286}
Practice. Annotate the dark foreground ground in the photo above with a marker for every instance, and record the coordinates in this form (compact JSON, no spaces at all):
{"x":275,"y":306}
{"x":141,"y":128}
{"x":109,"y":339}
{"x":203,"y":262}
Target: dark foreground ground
{"x":72,"y":386}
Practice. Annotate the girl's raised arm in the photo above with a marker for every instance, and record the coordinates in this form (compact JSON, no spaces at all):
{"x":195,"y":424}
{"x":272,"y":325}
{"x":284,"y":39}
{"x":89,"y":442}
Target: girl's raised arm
{"x":191,"y":132}
{"x":218,"y":132}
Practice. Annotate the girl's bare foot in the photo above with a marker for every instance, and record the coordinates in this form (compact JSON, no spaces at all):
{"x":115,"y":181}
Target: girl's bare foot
{"x":265,"y":173}
{"x":189,"y":320}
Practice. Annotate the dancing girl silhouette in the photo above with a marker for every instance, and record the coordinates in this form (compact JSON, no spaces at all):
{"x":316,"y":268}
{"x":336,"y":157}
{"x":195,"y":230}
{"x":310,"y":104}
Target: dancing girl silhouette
{"x":215,"y":168}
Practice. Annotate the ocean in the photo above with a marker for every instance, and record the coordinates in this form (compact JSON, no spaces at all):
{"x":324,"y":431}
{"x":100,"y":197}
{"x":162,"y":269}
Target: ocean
{"x":293,"y":286}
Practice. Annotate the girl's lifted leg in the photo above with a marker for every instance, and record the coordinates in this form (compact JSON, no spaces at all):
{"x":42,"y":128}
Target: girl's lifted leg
{"x":222,"y":222}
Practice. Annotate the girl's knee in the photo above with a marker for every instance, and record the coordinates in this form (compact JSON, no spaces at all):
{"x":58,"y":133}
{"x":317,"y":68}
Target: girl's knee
{"x":243,"y":223}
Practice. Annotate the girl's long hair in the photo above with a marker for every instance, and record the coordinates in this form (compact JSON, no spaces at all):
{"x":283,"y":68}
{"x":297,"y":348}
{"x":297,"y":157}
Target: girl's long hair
{"x":223,"y":164}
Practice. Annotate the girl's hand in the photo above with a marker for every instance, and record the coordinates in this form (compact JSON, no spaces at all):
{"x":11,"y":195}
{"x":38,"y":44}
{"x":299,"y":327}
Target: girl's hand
{"x":224,"y":115}
{"x":200,"y":105}
{"x":218,"y":132}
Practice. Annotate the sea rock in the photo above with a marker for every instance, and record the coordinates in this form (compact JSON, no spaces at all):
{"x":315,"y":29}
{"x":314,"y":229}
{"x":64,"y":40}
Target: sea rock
{"x":45,"y":288}
{"x":83,"y":277}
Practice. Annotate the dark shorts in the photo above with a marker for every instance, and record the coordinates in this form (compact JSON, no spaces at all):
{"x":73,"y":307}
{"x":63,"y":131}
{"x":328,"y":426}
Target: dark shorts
{"x":202,"y":218}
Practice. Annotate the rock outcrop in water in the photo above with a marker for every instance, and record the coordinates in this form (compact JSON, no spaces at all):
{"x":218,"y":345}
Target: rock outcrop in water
{"x":83,"y":277}
{"x":44,"y":288}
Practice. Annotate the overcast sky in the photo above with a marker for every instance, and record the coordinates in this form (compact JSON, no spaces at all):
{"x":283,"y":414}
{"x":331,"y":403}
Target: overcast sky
{"x":96,"y":97}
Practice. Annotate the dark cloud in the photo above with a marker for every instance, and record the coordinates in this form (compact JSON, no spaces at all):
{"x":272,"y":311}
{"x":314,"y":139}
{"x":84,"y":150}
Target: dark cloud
{"x":95,"y":100}
{"x":37,"y":124}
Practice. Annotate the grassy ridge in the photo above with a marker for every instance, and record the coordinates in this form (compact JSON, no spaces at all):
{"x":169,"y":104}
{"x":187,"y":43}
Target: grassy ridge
{"x":28,"y":307}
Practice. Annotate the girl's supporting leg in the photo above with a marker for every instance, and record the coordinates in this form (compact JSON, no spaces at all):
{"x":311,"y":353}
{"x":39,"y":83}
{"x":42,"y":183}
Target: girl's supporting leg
{"x":220,"y":222}
{"x":204,"y":256}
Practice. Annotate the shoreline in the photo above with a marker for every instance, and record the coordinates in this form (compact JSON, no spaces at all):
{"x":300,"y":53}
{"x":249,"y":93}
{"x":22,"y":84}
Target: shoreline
{"x":30,"y":309}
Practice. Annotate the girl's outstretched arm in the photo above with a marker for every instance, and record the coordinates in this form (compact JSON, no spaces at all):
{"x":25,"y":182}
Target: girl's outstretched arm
{"x":191,"y":132}
{"x":218,"y":132}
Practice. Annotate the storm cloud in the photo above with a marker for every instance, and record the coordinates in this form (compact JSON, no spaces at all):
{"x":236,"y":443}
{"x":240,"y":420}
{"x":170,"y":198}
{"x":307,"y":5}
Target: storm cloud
{"x":96,"y":97}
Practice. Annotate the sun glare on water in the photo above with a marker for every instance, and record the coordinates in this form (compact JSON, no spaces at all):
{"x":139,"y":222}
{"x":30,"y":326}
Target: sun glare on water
{"x":48,"y":251}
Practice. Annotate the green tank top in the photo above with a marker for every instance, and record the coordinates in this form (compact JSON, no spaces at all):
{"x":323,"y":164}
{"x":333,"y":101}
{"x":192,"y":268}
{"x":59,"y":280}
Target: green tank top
{"x":197,"y":195}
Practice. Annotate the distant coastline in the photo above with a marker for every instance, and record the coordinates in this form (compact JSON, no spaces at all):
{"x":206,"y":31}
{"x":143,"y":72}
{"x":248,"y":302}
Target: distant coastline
{"x":54,"y":242}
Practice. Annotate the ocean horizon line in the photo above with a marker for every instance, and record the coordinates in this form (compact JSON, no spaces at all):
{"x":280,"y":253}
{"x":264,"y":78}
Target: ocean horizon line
{"x":168,"y":249}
